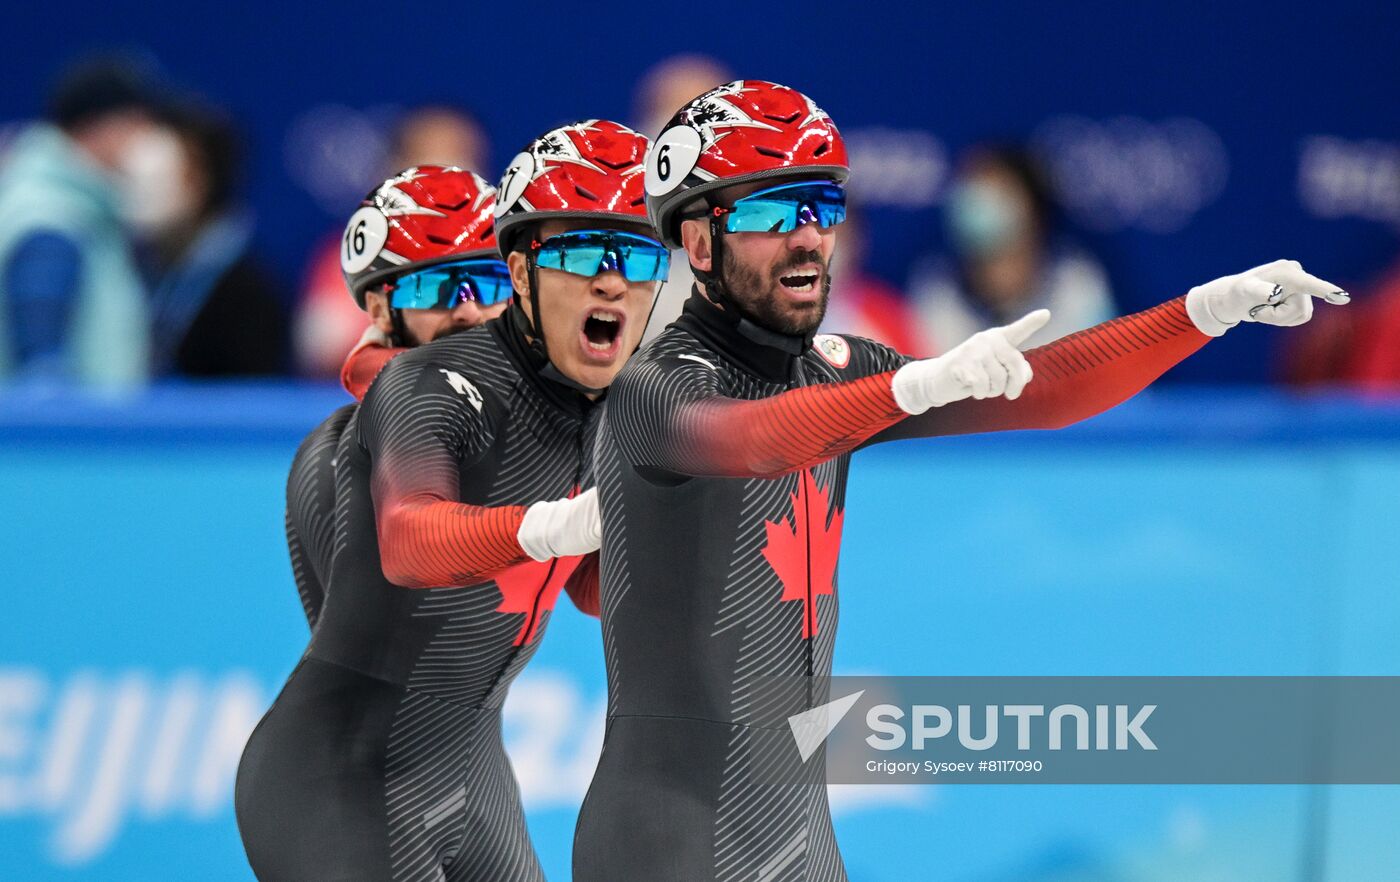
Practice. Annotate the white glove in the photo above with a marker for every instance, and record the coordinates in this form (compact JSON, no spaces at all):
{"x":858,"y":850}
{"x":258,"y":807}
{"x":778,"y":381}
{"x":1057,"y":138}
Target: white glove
{"x":562,"y":527}
{"x":985,"y":365}
{"x":1277,"y":293}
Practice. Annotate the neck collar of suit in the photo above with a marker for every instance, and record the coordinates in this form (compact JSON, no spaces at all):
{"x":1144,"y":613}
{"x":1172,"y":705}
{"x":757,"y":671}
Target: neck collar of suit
{"x":765,"y":353}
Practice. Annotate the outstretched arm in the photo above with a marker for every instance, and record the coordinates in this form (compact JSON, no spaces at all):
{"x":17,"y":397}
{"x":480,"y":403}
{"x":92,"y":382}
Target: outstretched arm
{"x":1074,"y":378}
{"x":669,"y":413}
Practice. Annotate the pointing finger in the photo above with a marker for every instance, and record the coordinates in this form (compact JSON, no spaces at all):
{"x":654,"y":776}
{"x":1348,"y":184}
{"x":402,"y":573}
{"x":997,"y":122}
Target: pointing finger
{"x":1291,"y":275}
{"x":1021,"y":330}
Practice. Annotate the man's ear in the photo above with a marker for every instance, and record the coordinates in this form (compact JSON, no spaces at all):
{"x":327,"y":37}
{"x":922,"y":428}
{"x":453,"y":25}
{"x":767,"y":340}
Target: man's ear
{"x":377,"y":305}
{"x":519,"y":273}
{"x":695,"y":238}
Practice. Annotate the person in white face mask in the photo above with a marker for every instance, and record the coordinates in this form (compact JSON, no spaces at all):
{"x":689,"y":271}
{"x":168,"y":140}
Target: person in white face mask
{"x":72,"y":306}
{"x":1008,"y":259}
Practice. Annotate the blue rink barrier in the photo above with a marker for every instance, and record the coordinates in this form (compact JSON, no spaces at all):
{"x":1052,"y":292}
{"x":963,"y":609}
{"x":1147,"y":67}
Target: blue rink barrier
{"x":150,"y":618}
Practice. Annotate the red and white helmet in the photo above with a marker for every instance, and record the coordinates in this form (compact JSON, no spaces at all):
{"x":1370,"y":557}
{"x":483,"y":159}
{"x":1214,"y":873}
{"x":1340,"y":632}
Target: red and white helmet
{"x":589,"y":170}
{"x":747,"y":130}
{"x":421,"y":216}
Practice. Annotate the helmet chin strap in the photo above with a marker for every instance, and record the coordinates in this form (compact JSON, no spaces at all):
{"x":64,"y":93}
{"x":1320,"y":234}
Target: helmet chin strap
{"x":398,"y":336}
{"x":534,"y":328}
{"x":718,"y":291}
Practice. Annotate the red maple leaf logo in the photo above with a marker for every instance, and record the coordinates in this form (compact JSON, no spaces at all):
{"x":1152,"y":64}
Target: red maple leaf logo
{"x":804,"y":553}
{"x":532,"y":588}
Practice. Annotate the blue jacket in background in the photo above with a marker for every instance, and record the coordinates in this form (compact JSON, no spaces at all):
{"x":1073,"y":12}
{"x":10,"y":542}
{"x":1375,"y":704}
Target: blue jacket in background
{"x":51,"y":193}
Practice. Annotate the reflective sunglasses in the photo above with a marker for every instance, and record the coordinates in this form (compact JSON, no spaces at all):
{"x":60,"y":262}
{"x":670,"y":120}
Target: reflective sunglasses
{"x":590,"y":252}
{"x":484,"y":281}
{"x":784,"y":208}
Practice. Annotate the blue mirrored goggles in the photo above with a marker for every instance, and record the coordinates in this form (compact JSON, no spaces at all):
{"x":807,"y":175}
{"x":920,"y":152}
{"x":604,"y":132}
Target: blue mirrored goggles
{"x":784,"y":208}
{"x":590,"y":252}
{"x":484,"y":281}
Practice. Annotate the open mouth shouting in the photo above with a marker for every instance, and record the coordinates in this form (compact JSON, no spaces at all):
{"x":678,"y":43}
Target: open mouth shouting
{"x":600,"y":337}
{"x":802,"y":283}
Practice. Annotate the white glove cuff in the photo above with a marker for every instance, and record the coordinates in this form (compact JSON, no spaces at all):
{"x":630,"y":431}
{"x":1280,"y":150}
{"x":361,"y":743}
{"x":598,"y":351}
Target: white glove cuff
{"x":1198,"y":308}
{"x":541,"y":521}
{"x":905,"y":387}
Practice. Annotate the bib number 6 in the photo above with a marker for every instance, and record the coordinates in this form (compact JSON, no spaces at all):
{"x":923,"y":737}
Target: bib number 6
{"x":671,"y":159}
{"x":663,"y":163}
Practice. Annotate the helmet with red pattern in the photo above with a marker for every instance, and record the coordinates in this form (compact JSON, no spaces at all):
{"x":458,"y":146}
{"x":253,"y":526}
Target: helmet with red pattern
{"x":747,"y":130}
{"x":590,"y":170}
{"x":421,"y":216}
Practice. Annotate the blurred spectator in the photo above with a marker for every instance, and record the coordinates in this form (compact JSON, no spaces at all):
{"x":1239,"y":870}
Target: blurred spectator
{"x":439,"y":135}
{"x":662,"y":90}
{"x":328,"y":323}
{"x":1009,"y":259}
{"x":1358,"y":346}
{"x":215,"y":312}
{"x":866,"y":305}
{"x":71,"y":300}
{"x":670,"y":84}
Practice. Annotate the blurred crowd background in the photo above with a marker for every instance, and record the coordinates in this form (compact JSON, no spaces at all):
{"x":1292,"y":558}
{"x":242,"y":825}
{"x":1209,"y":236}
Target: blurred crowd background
{"x":168,"y":213}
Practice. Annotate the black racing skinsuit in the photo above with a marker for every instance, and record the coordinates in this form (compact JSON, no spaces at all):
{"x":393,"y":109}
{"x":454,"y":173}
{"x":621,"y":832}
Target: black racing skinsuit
{"x":382,"y":758}
{"x":721,"y":463}
{"x":310,"y":514}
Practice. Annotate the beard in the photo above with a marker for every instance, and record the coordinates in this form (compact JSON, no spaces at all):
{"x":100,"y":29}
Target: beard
{"x":758,"y":296}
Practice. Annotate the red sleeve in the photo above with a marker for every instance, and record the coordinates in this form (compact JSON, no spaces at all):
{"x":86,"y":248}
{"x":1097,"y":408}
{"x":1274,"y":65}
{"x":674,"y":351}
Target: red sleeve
{"x":418,"y":433}
{"x":1075,"y":377}
{"x":669,"y":414}
{"x":362,"y":365}
{"x":429,"y":542}
{"x":583,"y":585}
